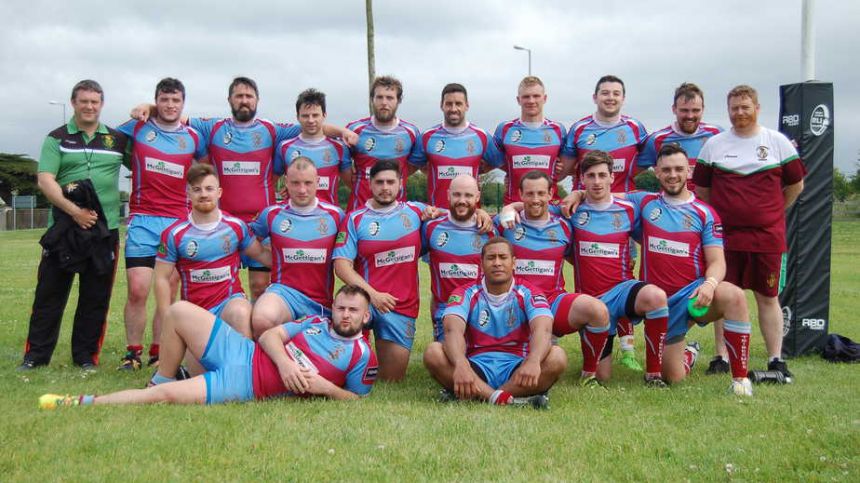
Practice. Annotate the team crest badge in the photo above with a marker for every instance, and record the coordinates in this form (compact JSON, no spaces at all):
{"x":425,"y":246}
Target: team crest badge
{"x":617,"y":221}
{"x":182,"y":144}
{"x":439,"y":146}
{"x":590,"y":139}
{"x":191,"y":249}
{"x":442,"y":240}
{"x":335,"y":353}
{"x":761,"y":152}
{"x":512,"y":319}
{"x":150,"y":136}
{"x":621,"y":137}
{"x":295,"y":154}
{"x":286,"y":225}
{"x":655,"y":214}
{"x":108,"y":141}
{"x":326,"y":156}
{"x":484,"y":318}
{"x":407,"y":223}
{"x":771,"y":280}
{"x":373,"y":229}
{"x":322,"y":227}
{"x":687,"y":222}
{"x":519,"y":233}
{"x":257,"y":139}
{"x":227,"y":245}
{"x":477,"y":242}
{"x":583,"y":218}
{"x":516,"y":136}
{"x":553,"y":235}
{"x":547,"y":138}
{"x":398,"y":146}
{"x":470,"y":147}
{"x":228,"y":137}
{"x":369,"y":144}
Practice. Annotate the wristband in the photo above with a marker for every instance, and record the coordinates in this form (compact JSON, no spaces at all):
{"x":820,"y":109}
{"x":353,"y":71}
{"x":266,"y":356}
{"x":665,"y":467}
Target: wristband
{"x":507,"y":217}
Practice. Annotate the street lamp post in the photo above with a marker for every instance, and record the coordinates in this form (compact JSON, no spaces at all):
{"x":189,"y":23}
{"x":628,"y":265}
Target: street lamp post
{"x":517,"y":47}
{"x":58,"y":103}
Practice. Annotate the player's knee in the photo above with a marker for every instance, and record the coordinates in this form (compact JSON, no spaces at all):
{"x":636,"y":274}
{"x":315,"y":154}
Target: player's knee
{"x":652,"y":297}
{"x":138,"y":290}
{"x":434,"y":356}
{"x":735,"y":300}
{"x":556,"y":361}
{"x":598,"y":313}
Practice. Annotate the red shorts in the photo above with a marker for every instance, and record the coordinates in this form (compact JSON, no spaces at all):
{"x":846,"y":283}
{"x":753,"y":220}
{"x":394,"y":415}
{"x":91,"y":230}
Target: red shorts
{"x":761,"y":272}
{"x":560,"y":307}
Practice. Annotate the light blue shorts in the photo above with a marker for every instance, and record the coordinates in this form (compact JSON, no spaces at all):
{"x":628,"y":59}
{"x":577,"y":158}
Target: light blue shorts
{"x":617,"y":300}
{"x":216,"y":310}
{"x":392,"y":327}
{"x":144,"y":235}
{"x":495,"y":367}
{"x":227,"y":360}
{"x":300,"y":304}
{"x":679,"y":318}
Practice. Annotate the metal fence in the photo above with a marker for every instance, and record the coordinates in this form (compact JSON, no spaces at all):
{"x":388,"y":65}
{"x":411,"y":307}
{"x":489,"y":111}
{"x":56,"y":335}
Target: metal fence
{"x":23,"y":218}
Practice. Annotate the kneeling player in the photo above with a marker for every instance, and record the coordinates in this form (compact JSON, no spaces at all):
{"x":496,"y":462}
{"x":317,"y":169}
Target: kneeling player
{"x":311,"y":357}
{"x":497,"y":338}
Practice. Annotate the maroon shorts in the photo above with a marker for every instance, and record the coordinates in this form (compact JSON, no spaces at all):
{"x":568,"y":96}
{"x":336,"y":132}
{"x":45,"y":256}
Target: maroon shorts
{"x":560,"y":307}
{"x":761,"y":272}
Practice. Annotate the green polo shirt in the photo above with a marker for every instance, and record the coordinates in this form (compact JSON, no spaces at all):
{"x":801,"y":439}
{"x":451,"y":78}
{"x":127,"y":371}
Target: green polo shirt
{"x":70,"y":155}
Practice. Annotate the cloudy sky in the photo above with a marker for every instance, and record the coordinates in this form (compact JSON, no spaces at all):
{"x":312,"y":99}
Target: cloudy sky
{"x":46,"y":46}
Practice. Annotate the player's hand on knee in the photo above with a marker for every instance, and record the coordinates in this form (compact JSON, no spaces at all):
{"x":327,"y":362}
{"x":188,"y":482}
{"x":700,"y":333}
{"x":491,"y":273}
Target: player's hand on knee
{"x":528,"y":374}
{"x":704,"y":295}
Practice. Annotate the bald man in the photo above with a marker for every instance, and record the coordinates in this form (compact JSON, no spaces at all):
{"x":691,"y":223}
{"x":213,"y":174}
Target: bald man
{"x":303,"y":232}
{"x":453,"y":244}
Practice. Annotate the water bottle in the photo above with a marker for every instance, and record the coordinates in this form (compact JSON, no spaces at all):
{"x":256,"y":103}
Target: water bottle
{"x":771,"y":377}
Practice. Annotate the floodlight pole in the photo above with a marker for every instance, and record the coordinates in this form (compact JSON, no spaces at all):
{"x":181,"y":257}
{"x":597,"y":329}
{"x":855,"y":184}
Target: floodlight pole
{"x":58,"y":103}
{"x":517,"y":47}
{"x":371,"y":54}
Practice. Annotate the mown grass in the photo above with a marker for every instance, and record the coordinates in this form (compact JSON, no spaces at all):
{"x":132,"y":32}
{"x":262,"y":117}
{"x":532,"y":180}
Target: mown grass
{"x":809,"y":430}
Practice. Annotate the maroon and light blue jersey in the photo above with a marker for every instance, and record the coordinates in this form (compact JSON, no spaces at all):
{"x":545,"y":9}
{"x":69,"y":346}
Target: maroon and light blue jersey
{"x":601,"y":245}
{"x":450,"y":153}
{"x":347,"y":362}
{"x":497,"y":323}
{"x":454,"y":254}
{"x":674,"y":237}
{"x":329,"y":155}
{"x":302,"y":243}
{"x":398,"y":143}
{"x":524,"y":148}
{"x":622,"y":141}
{"x":385,"y":246}
{"x":159,"y":161}
{"x":540,"y":248}
{"x":691,"y":143}
{"x":207,"y":259}
{"x":243,"y":159}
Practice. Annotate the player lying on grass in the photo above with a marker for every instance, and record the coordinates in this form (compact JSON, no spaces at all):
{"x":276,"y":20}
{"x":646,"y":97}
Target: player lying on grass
{"x":311,"y":357}
{"x":498,"y":332}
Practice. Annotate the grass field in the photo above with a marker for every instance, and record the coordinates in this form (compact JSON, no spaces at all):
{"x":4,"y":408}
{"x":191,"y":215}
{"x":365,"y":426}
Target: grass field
{"x":807,"y":431}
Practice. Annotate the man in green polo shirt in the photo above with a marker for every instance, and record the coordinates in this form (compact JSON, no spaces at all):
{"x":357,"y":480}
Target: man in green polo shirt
{"x":82,"y":149}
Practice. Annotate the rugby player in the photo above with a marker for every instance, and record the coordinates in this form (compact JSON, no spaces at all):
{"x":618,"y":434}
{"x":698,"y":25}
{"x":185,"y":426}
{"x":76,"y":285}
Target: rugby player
{"x":455,"y":147}
{"x":310,"y":357}
{"x":302,"y":231}
{"x":162,"y":151}
{"x":530,"y":142}
{"x":453,"y":244}
{"x":541,"y":240}
{"x":204,"y":248}
{"x":498,"y":333}
{"x":382,"y":136}
{"x":751,"y":175}
{"x":377,"y":249}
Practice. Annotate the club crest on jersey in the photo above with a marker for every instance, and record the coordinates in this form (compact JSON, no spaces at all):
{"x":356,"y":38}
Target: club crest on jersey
{"x":553,"y":235}
{"x":228,"y":137}
{"x":761,"y":152}
{"x":484,"y":318}
{"x":621,"y":137}
{"x":590,"y":139}
{"x":286,"y":225}
{"x":398,"y":146}
{"x":655,"y":214}
{"x":257,"y":139}
{"x":150,"y":136}
{"x":771,"y":280}
{"x":512,"y":318}
{"x":369,"y":144}
{"x":227,"y":245}
{"x":335,"y":353}
{"x":477,"y":242}
{"x":326,"y":156}
{"x":617,"y":221}
{"x":519,"y":233}
{"x":374,"y":228}
{"x":547,"y":137}
{"x":182,"y":144}
{"x":108,"y":141}
{"x":583,"y":218}
{"x":516,"y":136}
{"x":442,"y":240}
{"x":439,"y":146}
{"x":470,"y":147}
{"x":191,"y":249}
{"x":687,"y":222}
{"x":407,"y":223}
{"x":295,"y":154}
{"x":322,"y":227}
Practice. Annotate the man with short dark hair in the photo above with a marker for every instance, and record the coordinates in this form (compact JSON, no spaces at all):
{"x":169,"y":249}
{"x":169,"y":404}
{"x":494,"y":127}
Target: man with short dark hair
{"x":311,"y":357}
{"x":498,"y":338}
{"x":382,"y":136}
{"x":751,"y":175}
{"x":454,"y":148}
{"x":83,"y":149}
